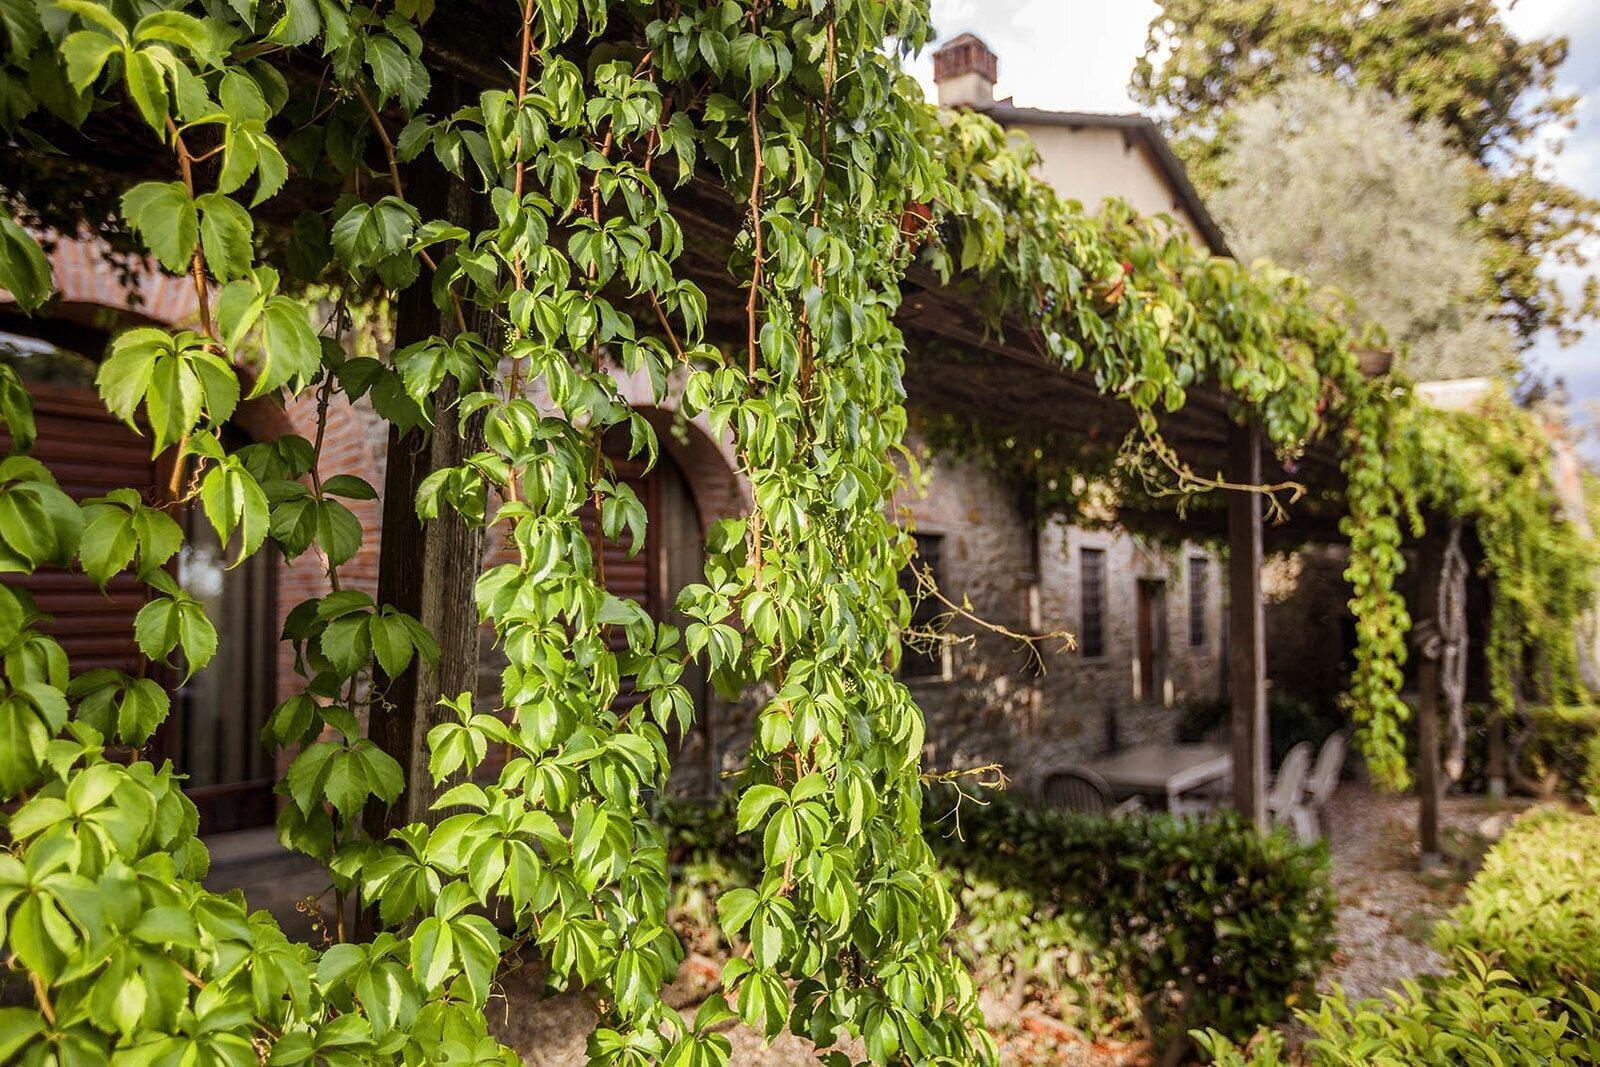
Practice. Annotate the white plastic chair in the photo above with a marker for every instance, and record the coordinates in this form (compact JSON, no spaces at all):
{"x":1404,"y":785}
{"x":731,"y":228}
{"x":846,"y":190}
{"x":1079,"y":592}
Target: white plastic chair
{"x":1286,"y":799}
{"x":1324,"y":779}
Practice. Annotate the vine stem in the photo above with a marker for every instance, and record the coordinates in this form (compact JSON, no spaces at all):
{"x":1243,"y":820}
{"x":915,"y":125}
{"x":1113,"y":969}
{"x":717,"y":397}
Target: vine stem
{"x":202,"y":295}
{"x":324,"y":395}
{"x":755,"y":224}
{"x":518,"y":270}
{"x":43,"y":996}
{"x":197,"y":262}
{"x":400,"y":194}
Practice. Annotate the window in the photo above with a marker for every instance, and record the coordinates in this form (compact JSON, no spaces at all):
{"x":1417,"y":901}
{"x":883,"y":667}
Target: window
{"x":1199,"y":589}
{"x":922,"y":658}
{"x":1092,"y":602}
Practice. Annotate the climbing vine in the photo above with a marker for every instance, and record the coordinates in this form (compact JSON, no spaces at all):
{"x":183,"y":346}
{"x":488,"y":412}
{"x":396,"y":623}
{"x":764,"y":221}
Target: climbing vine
{"x":1493,"y":467}
{"x":273,"y":143}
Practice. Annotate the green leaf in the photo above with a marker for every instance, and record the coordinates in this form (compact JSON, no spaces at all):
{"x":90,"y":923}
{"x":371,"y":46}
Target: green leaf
{"x":391,"y":643}
{"x":290,"y":350}
{"x":20,"y":19}
{"x":347,"y":643}
{"x":338,"y":531}
{"x":147,"y":86}
{"x":85,"y":53}
{"x":16,"y":407}
{"x":24,"y":270}
{"x":165,"y":219}
{"x":225,"y":230}
{"x":168,"y":623}
{"x":755,"y":804}
{"x":23,"y":738}
{"x":432,"y":952}
{"x":233,"y":499}
{"x":350,"y":487}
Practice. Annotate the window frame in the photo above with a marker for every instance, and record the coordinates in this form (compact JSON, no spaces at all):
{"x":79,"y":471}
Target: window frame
{"x":1199,"y":600}
{"x":1101,"y":603}
{"x":940,"y":659}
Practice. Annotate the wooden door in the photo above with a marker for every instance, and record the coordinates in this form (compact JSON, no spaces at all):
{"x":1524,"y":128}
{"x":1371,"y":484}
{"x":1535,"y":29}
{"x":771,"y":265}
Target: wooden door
{"x":90,"y":453}
{"x":1152,"y":639}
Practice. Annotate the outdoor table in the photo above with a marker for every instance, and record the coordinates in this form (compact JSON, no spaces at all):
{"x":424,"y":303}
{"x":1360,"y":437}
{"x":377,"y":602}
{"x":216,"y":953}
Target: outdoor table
{"x":1164,"y":771}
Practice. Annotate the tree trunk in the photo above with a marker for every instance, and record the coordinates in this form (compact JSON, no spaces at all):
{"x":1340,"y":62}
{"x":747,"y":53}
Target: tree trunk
{"x":427,"y":569}
{"x":1430,"y":783}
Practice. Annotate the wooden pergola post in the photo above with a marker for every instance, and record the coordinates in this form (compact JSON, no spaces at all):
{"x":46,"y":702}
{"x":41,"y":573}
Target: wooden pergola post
{"x":1430,"y":558}
{"x":428,"y":569}
{"x":1247,"y":649}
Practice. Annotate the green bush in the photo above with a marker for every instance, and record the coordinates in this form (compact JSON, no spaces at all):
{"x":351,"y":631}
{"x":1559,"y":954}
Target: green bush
{"x":1560,"y":744}
{"x":1525,"y":945}
{"x":1203,"y":921}
{"x":1563,"y":747}
{"x":1534,"y":908}
{"x":1475,"y":1016}
{"x":1149,"y":920}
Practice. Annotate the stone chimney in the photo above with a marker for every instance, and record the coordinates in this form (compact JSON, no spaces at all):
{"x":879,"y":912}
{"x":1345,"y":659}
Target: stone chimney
{"x":965,"y":71}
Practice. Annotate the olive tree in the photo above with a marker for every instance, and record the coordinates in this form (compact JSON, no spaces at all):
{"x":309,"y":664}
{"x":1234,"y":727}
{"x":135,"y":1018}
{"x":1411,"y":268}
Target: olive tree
{"x":1342,"y":185}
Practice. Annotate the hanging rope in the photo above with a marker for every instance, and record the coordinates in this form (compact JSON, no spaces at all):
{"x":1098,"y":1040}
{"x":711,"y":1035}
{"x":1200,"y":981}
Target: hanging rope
{"x":1451,"y":614}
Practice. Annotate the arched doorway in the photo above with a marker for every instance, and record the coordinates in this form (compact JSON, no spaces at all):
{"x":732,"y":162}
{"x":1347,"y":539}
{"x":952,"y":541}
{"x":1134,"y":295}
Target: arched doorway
{"x":213,"y":733}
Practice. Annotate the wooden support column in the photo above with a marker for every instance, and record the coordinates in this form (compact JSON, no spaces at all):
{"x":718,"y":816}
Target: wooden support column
{"x":1247,"y":649}
{"x":428,"y":569}
{"x":1425,"y":635}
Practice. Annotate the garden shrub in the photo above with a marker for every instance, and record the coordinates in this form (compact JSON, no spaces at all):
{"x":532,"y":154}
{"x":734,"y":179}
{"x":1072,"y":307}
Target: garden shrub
{"x":1201,"y":920}
{"x":1148,"y":919}
{"x":1534,"y":908}
{"x":1476,"y":1016}
{"x":1525,"y":945}
{"x":1561,"y":748}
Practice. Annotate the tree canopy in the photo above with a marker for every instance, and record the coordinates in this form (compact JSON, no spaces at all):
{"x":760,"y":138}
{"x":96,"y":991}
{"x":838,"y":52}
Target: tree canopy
{"x":1455,"y":63}
{"x":1340,"y":185}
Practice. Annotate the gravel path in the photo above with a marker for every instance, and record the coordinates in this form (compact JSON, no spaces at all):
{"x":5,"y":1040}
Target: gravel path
{"x":1387,"y":907}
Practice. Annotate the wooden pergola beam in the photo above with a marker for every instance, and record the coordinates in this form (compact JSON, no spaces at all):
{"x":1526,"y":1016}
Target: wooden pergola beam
{"x":1247,"y":649}
{"x":1430,"y":782}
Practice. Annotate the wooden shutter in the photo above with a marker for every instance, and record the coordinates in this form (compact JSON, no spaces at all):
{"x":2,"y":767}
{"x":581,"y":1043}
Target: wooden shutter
{"x":90,"y":453}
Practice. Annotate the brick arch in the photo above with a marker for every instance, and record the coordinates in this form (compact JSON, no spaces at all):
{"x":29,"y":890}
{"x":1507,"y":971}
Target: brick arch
{"x":86,"y":281}
{"x":708,"y":459}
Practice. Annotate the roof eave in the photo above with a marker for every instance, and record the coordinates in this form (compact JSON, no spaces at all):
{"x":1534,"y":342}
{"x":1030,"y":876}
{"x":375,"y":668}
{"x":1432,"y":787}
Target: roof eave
{"x":1138,"y":126}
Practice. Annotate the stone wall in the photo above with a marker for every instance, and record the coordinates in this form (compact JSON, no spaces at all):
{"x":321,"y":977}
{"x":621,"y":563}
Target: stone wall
{"x":998,"y":705}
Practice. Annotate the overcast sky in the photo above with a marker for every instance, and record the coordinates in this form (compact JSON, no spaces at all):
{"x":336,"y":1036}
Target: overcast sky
{"x":1079,"y":54}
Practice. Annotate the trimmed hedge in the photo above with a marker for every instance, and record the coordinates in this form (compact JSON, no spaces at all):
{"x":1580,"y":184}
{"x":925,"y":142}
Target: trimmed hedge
{"x":1534,"y":908}
{"x":1169,"y":923}
{"x":1475,"y":1016}
{"x":1205,"y":922}
{"x":1526,"y":948}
